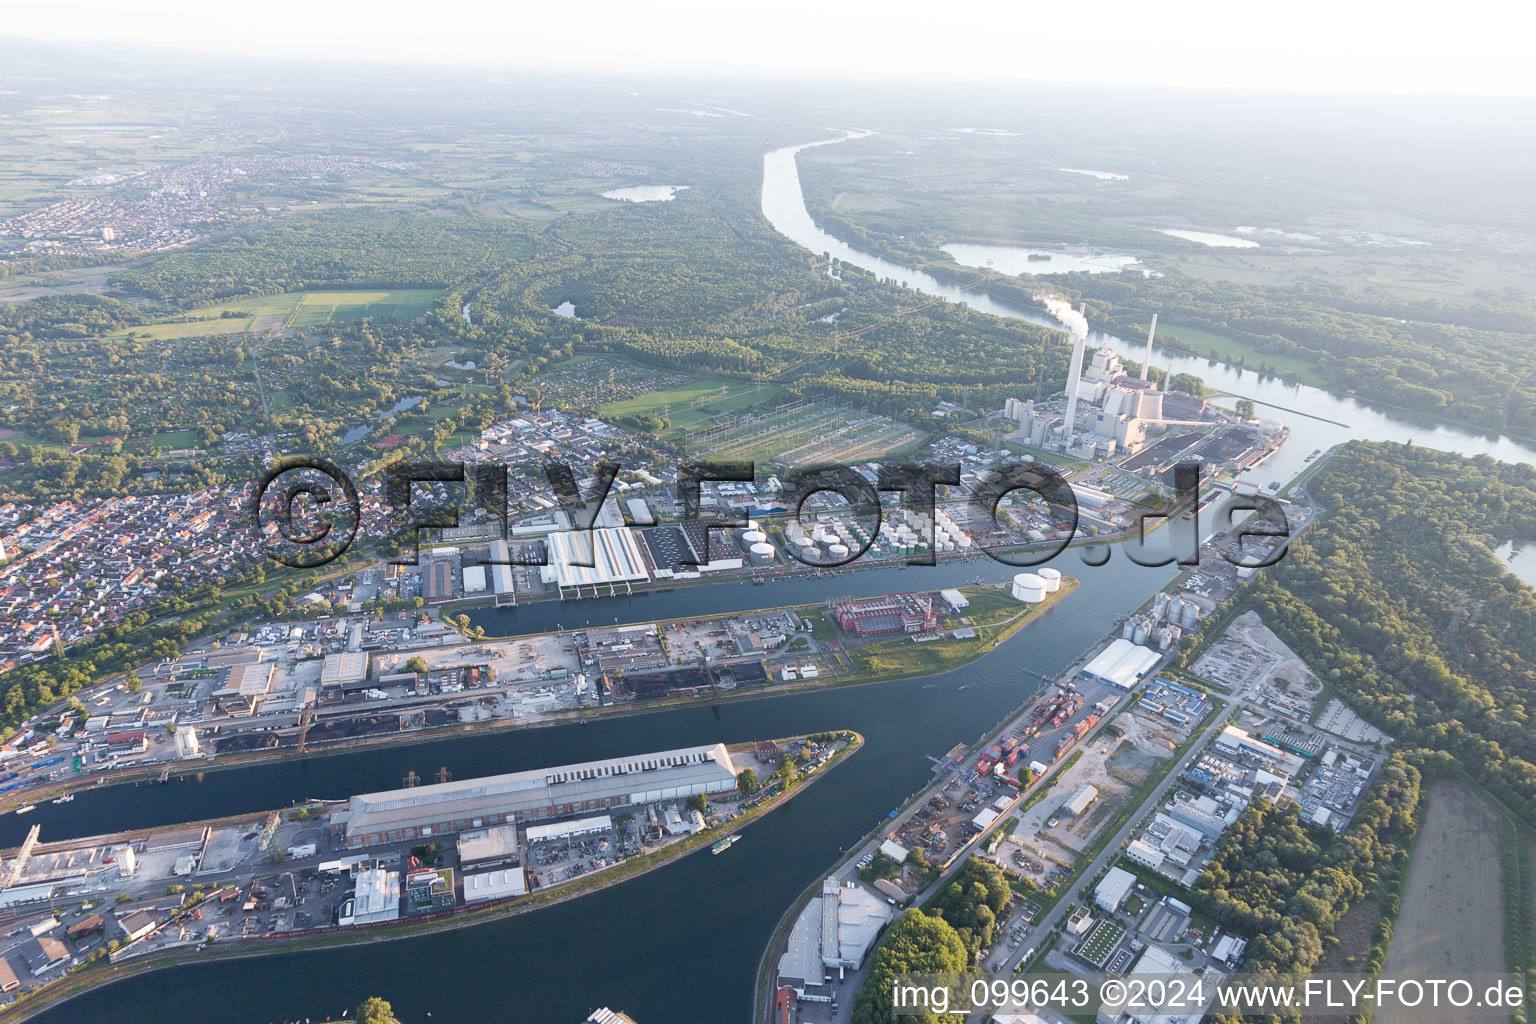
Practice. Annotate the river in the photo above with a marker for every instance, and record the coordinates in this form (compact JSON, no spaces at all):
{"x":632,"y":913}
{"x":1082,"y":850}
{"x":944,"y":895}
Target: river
{"x":678,"y":945}
{"x":1317,"y":418}
{"x":681,"y":944}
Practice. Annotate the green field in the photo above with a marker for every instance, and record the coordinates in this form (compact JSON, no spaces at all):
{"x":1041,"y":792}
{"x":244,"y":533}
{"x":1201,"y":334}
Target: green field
{"x":262,"y":313}
{"x":691,"y":402}
{"x":1203,"y":342}
{"x":323,"y":307}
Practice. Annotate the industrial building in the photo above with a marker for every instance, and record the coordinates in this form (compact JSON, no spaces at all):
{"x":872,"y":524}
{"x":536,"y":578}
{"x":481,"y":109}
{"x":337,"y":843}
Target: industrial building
{"x":375,"y":897}
{"x":874,"y":616}
{"x":1122,"y":664}
{"x":1081,"y":799}
{"x":445,"y":808}
{"x":486,"y":848}
{"x":340,"y":669}
{"x":588,"y":558}
{"x":429,"y":890}
{"x":500,"y":884}
{"x":1113,"y":889}
{"x":43,"y":954}
{"x":245,"y":687}
{"x":440,"y":576}
{"x":835,"y":930}
{"x":501,"y":567}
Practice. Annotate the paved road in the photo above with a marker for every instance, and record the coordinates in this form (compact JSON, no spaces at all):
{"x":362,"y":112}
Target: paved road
{"x":1113,"y":848}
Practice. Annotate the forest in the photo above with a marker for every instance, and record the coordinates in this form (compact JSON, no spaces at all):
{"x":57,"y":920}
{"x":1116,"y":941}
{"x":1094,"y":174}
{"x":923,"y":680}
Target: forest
{"x":1287,"y":884}
{"x":1458,"y":361}
{"x":946,"y":937}
{"x":1395,"y":598}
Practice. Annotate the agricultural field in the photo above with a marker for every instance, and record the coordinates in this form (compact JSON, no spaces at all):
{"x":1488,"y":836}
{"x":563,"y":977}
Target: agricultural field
{"x":1451,"y":922}
{"x":289,"y":309}
{"x":606,"y":383}
{"x":695,"y":401}
{"x":1204,"y":342}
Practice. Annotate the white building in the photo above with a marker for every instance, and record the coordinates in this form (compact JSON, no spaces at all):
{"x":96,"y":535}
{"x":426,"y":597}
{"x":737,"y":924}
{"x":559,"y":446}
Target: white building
{"x":375,"y":897}
{"x":1112,"y":890}
{"x":1122,"y":664}
{"x":1146,"y":855}
{"x":494,"y":885}
{"x":582,"y":558}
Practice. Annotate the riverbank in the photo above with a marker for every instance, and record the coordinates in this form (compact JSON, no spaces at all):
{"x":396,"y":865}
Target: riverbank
{"x":881,"y":661}
{"x":98,"y":972}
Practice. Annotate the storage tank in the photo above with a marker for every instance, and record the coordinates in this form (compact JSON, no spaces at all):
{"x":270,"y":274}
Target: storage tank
{"x":1128,"y":631}
{"x":838,"y":551}
{"x":762,"y":552}
{"x":963,"y":542}
{"x":753,"y":537}
{"x":1191,"y":616}
{"x":1160,"y":604}
{"x":1029,"y":588}
{"x":1052,"y":579}
{"x":1140,"y":635}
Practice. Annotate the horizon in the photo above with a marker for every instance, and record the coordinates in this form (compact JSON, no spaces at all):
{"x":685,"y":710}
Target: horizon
{"x":1130,"y":46}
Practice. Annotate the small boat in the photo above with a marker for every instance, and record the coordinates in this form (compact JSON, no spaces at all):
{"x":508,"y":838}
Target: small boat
{"x":722,"y":845}
{"x":66,"y":798}
{"x":26,"y":809}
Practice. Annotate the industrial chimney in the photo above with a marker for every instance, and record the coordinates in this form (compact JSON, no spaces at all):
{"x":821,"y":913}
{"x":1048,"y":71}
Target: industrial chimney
{"x":1146,"y":363}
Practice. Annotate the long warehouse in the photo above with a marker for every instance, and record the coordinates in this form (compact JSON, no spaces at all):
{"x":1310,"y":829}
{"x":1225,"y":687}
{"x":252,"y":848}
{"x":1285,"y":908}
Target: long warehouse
{"x":400,"y":814}
{"x":611,"y":556}
{"x":1122,"y":664}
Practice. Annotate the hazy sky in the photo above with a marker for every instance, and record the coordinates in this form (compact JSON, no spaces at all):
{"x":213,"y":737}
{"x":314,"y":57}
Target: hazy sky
{"x":1472,"y":46}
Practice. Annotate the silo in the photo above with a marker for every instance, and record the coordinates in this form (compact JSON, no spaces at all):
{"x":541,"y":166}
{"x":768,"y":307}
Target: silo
{"x":1191,"y":617}
{"x":1140,"y":634}
{"x":1128,"y":631}
{"x":762,"y":553}
{"x":1029,"y":588}
{"x":1160,"y":604}
{"x":1052,"y":578}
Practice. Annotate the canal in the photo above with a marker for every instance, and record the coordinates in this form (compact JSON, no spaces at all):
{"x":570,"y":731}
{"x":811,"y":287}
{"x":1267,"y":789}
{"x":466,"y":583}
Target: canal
{"x":681,"y":944}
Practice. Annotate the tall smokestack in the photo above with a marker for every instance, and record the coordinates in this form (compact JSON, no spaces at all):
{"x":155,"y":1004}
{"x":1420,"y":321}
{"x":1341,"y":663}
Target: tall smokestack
{"x":1146,"y":363}
{"x":1074,"y":376}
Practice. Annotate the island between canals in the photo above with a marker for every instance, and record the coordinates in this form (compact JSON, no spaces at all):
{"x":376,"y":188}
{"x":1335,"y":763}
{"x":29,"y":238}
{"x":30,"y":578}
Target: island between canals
{"x":337,"y":891}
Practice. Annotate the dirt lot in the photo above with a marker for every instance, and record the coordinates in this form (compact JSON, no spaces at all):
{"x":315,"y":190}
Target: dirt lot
{"x":1451,"y":921}
{"x":1112,"y":765}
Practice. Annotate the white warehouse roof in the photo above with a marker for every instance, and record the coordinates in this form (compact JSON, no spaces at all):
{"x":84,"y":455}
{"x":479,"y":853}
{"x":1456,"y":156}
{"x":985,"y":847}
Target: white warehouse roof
{"x":494,"y":885}
{"x":1122,"y":663}
{"x":1113,"y":889}
{"x":614,"y":552}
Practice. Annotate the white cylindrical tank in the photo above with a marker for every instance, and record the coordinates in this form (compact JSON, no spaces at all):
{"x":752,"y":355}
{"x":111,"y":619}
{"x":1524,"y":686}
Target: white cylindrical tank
{"x":838,"y":550}
{"x":1191,"y":616}
{"x":1129,"y":629}
{"x":1029,"y":588}
{"x":753,"y":537}
{"x":1052,"y":579}
{"x":963,"y":542}
{"x":762,"y":552}
{"x":1140,"y":635}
